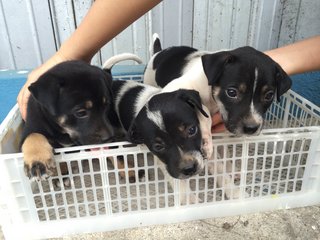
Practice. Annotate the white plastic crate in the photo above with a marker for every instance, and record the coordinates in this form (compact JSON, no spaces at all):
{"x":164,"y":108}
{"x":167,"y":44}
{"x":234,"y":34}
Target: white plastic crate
{"x":278,"y":169}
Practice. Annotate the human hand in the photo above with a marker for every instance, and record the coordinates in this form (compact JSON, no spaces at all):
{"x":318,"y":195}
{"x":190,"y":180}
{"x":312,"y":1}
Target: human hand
{"x":217,"y":123}
{"x":33,"y":76}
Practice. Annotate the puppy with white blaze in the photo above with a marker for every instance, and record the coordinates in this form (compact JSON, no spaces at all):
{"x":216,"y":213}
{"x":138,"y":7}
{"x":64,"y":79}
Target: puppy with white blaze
{"x":167,"y":123}
{"x":240,"y":83}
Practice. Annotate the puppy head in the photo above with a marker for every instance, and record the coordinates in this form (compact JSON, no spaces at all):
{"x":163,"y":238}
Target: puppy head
{"x":244,"y":83}
{"x":77,"y":97}
{"x":169,"y":126}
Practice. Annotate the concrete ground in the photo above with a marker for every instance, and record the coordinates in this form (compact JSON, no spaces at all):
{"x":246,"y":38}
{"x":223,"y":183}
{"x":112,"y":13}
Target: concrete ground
{"x":299,"y":223}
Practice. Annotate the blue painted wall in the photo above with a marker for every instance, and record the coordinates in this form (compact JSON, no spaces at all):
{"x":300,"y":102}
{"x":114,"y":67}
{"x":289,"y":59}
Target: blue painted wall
{"x":307,"y":85}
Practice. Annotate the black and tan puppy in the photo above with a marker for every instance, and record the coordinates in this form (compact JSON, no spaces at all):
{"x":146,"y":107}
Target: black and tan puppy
{"x":68,"y":106}
{"x":167,"y":123}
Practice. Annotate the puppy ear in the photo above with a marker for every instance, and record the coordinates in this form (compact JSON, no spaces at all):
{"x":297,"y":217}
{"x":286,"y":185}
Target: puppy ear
{"x":46,"y":91}
{"x":192,"y":97}
{"x":133,"y":134}
{"x":283,"y":81}
{"x":213,"y":65}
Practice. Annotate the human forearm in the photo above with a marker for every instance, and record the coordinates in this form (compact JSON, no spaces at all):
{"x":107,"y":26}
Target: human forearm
{"x":299,"y":57}
{"x":105,"y":19}
{"x":110,"y":17}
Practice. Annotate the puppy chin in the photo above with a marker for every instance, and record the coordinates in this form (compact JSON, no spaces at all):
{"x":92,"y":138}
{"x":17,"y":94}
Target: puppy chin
{"x":196,"y":159}
{"x":238,"y":130}
{"x":197,"y":165}
{"x":178,"y":174}
{"x":235,"y":130}
{"x":183,"y":176}
{"x":88,"y":140}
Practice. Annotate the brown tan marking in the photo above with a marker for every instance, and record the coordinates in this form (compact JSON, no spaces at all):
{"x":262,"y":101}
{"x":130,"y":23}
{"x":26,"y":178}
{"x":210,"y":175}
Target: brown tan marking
{"x":37,"y":148}
{"x":183,"y":131}
{"x":88,"y":104}
{"x":242,"y":88}
{"x":62,"y":119}
{"x":187,"y":157}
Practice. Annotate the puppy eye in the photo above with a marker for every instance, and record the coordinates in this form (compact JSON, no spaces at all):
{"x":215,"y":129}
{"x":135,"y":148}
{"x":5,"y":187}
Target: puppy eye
{"x":81,"y":113}
{"x":232,"y":93}
{"x":269,"y":95}
{"x":192,"y":131}
{"x":158,"y":147}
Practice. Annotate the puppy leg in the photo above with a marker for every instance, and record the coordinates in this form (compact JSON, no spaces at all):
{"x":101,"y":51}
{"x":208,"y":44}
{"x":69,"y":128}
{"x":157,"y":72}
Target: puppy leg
{"x":38,"y":157}
{"x":185,"y":191}
{"x":225,"y":180}
{"x":205,"y":128}
{"x":131,"y":173}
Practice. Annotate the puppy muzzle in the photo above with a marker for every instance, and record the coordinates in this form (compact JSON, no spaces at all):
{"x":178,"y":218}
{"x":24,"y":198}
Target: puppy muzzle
{"x":245,"y":128}
{"x":192,"y":163}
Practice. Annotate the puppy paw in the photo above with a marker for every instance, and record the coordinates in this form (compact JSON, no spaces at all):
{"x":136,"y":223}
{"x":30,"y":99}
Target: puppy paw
{"x":38,"y":157}
{"x":205,"y":128}
{"x":39,"y":171}
{"x":207,"y":147}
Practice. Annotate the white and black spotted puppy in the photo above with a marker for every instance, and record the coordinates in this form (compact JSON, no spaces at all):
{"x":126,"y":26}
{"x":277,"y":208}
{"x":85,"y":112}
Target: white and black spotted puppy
{"x":167,"y":123}
{"x":240,"y":83}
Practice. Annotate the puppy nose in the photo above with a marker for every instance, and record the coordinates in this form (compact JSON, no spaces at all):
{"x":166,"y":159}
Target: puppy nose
{"x":250,"y":129}
{"x":190,"y":169}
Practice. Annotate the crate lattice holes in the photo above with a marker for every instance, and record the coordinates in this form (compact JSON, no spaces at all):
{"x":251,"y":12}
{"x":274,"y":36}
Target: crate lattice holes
{"x":90,"y":192}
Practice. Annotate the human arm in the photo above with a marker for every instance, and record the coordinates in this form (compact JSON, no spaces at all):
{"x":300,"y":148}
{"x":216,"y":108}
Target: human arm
{"x":299,"y":57}
{"x":105,"y":19}
{"x":217,"y":123}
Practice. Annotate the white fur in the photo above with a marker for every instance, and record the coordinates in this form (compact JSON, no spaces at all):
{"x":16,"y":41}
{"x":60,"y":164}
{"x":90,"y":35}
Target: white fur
{"x":150,"y":74}
{"x":126,"y":87}
{"x":255,"y":117}
{"x":256,"y":73}
{"x":184,"y":189}
{"x":155,"y":36}
{"x":156,"y":118}
{"x":195,"y":55}
{"x":144,"y":97}
{"x":205,"y":128}
{"x":197,"y":155}
{"x":141,"y":99}
{"x":194,"y":78}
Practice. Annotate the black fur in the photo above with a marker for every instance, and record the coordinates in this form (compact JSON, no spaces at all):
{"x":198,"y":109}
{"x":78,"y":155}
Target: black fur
{"x":169,"y":63}
{"x":237,"y":64}
{"x":227,"y":70}
{"x":59,"y":92}
{"x":59,"y":102}
{"x":178,"y":111}
{"x":156,"y":46}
